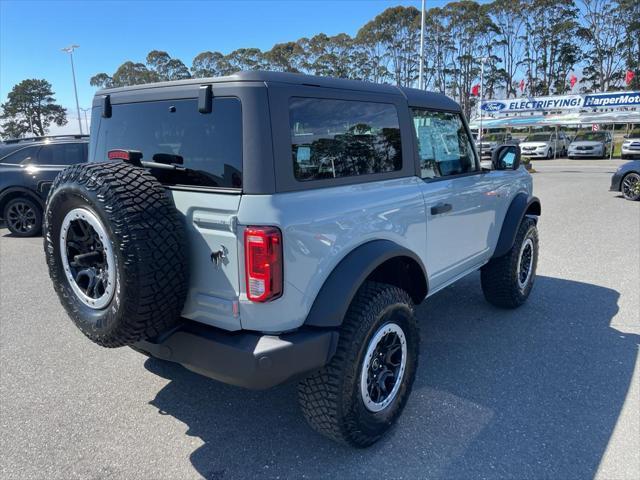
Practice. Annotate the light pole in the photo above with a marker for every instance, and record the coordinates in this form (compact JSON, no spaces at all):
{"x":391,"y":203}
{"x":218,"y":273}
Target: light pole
{"x":482,"y":60}
{"x":421,"y":74}
{"x":70,"y":50}
{"x":86,"y":122}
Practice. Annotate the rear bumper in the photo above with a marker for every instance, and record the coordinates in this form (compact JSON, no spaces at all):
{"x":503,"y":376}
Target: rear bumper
{"x":246,"y":359}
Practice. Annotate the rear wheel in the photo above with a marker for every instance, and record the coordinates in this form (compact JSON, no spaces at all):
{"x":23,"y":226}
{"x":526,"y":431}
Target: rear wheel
{"x":359,"y":395}
{"x":629,"y":186}
{"x":23,"y":217}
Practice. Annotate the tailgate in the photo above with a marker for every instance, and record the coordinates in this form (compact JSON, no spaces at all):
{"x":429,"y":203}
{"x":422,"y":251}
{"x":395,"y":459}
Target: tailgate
{"x":210,"y":220}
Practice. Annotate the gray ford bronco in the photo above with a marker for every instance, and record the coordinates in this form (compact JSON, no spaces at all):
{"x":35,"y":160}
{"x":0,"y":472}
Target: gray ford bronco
{"x":268,"y":227}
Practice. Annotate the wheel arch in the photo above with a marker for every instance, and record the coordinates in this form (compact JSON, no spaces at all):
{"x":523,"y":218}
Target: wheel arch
{"x":521,"y":205}
{"x":16,"y":192}
{"x":380,"y":260}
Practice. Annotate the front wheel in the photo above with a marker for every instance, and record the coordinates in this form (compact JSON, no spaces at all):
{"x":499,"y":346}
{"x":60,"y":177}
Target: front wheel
{"x":507,"y":281}
{"x":630,"y":186}
{"x":549,"y":154}
{"x":361,"y":392}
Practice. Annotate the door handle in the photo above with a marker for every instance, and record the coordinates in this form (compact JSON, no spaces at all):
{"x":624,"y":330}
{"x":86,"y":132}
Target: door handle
{"x":441,"y":208}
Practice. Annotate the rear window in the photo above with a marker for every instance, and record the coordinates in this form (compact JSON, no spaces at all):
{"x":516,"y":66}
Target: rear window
{"x":208,"y":146}
{"x":342,"y":138}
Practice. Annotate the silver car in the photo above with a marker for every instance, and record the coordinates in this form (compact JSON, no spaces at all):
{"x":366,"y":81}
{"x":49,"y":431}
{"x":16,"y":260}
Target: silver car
{"x":545,"y":145}
{"x":590,"y":144}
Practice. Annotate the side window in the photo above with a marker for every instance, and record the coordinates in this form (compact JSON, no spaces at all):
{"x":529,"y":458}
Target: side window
{"x":62,"y":154}
{"x":342,"y":138}
{"x":23,"y":156}
{"x":444,"y":147}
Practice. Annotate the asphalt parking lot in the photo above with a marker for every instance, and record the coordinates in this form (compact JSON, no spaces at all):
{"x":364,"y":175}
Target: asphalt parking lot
{"x":551,"y":390}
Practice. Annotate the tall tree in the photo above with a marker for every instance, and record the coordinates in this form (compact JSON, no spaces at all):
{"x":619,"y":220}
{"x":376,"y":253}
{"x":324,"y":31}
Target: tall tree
{"x":165,"y":67}
{"x":605,"y":40}
{"x":31,"y":108}
{"x":393,"y":37}
{"x":246,"y":59}
{"x":159,"y":67}
{"x":552,"y":49}
{"x":629,"y":15}
{"x":472,"y":32}
{"x":210,"y":64}
{"x":285,"y":57}
{"x":509,"y":22}
{"x":328,"y":56}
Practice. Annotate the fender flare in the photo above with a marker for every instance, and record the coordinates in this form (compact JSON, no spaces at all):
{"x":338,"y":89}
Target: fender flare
{"x":520,"y":206}
{"x":332,"y":301}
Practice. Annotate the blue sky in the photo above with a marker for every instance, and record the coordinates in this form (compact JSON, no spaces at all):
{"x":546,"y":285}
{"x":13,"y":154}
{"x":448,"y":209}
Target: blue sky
{"x":110,"y":32}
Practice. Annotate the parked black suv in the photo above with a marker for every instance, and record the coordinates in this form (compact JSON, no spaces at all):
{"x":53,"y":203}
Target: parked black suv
{"x":27,"y":169}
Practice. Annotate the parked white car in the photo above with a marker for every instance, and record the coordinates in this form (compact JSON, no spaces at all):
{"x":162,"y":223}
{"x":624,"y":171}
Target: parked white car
{"x":590,"y":144}
{"x":545,"y":145}
{"x":631,"y":146}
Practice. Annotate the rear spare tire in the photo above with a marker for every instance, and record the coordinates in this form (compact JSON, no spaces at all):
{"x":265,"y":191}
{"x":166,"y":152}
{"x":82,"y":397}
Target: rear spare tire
{"x":115,"y":246}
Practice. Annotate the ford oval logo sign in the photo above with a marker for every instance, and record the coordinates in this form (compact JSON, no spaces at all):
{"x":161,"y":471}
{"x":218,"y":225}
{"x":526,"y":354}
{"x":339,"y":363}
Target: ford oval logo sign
{"x":493,"y":106}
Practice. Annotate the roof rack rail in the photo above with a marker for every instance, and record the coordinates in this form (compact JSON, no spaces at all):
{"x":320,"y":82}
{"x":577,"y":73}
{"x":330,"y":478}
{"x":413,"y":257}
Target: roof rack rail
{"x":39,"y":139}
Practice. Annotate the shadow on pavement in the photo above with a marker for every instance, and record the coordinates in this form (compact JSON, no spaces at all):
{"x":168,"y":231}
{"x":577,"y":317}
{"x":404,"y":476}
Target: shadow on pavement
{"x":531,"y":393}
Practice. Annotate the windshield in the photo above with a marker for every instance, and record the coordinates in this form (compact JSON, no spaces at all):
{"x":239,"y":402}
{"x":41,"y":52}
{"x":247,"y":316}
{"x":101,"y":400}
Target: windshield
{"x":537,"y":137}
{"x":634,"y":135}
{"x":590,"y":137}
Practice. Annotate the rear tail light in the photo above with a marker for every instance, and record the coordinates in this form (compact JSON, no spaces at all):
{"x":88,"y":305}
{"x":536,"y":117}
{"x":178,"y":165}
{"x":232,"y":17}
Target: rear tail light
{"x":263,"y":261}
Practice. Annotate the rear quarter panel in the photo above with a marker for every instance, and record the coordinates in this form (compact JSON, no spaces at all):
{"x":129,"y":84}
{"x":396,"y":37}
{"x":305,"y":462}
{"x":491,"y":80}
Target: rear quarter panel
{"x":320,"y":227}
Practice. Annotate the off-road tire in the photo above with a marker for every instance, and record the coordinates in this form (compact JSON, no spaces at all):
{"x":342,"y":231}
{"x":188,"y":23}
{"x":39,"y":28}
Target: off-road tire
{"x":147,"y":238}
{"x":331,"y":399}
{"x":499,"y":277}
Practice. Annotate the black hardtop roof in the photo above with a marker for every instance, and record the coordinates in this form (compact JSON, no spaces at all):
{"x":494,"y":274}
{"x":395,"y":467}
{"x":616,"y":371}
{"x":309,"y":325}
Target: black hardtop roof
{"x":413,"y":95}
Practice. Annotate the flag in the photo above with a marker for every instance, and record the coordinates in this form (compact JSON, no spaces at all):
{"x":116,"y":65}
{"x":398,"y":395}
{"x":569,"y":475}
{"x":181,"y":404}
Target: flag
{"x":522,"y":85}
{"x":595,"y":127}
{"x":629,"y":77}
{"x":573,"y":80}
{"x":475,"y":90}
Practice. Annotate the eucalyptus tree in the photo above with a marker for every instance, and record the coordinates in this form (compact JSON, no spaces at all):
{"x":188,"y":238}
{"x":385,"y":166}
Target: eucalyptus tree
{"x":210,"y":64}
{"x":552,"y":44}
{"x":509,"y":21}
{"x":471,"y":31}
{"x":165,"y":67}
{"x":391,"y":41}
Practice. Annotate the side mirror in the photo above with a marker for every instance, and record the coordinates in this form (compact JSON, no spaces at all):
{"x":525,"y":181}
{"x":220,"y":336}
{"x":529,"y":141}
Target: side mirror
{"x":506,"y":157}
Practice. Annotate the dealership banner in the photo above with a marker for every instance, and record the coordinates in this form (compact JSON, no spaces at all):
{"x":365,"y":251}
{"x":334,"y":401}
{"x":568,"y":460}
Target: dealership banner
{"x":562,"y":102}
